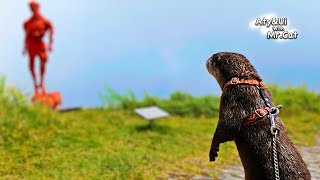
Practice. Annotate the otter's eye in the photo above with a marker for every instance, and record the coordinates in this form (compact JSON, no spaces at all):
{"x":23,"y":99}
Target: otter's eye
{"x":219,"y":60}
{"x":224,"y":58}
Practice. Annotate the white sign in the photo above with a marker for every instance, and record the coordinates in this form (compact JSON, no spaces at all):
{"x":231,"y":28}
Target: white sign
{"x":151,"y":113}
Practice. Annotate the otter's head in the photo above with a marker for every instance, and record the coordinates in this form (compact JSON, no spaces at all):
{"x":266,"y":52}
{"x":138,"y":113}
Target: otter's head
{"x":226,"y":65}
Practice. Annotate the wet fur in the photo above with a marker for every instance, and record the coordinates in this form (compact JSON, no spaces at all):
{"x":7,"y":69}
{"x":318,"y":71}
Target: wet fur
{"x":254,"y":141}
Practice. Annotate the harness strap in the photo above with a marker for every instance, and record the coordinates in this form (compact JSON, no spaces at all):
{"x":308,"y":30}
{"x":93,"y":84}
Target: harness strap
{"x":264,"y":96}
{"x":236,"y":81}
{"x":259,"y":113}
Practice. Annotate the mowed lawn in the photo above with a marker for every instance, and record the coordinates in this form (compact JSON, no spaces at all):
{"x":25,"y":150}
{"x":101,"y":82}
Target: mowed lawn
{"x":36,"y":143}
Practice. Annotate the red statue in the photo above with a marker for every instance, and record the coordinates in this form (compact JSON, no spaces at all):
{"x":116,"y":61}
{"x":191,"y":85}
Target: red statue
{"x":35,"y":28}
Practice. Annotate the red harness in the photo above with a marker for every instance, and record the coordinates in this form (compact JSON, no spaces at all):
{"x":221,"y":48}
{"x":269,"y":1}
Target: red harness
{"x":236,"y":80}
{"x":259,"y":113}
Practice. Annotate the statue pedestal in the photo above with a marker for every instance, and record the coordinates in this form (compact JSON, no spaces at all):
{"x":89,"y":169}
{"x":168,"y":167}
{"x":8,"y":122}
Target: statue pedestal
{"x":52,"y":100}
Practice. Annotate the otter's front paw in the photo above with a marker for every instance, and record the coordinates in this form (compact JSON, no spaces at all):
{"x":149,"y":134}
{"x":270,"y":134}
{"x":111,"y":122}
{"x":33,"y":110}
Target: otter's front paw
{"x":213,"y":154}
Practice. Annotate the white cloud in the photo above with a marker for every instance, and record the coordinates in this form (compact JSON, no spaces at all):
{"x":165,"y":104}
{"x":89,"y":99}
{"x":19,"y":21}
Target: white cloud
{"x":264,"y":29}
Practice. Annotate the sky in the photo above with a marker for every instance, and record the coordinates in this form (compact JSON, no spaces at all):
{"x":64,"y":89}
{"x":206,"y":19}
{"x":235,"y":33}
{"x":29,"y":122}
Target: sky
{"x":158,"y":46}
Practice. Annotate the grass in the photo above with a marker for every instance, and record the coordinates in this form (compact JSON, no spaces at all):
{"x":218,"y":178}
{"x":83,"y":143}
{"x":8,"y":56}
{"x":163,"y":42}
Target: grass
{"x":103,"y":144}
{"x":37,"y":143}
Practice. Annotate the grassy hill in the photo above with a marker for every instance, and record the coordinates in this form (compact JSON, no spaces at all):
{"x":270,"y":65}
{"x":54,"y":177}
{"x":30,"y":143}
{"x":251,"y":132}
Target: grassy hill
{"x":113,"y":143}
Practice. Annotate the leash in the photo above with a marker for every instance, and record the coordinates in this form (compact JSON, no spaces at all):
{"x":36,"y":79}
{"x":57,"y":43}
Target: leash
{"x":274,"y":131}
{"x":273,"y":113}
{"x":269,"y":110}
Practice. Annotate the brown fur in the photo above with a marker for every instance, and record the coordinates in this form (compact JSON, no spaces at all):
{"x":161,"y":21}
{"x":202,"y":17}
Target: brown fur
{"x":254,"y":141}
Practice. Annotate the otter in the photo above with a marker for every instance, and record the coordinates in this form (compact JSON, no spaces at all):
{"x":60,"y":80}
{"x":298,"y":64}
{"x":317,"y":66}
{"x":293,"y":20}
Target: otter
{"x":253,"y":140}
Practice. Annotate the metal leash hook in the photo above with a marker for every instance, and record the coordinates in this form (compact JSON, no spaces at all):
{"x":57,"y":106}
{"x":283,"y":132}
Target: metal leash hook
{"x":273,"y":113}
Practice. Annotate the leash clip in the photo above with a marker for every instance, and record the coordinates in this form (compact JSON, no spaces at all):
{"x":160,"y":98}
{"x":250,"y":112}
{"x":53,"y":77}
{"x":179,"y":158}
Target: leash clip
{"x":273,"y":113}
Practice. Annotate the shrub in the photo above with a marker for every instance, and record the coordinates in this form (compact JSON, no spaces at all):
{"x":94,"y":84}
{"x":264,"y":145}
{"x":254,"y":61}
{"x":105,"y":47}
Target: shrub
{"x":184,"y":104}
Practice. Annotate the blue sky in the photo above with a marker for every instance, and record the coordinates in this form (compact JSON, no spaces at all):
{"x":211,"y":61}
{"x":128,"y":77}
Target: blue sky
{"x":157,"y":46}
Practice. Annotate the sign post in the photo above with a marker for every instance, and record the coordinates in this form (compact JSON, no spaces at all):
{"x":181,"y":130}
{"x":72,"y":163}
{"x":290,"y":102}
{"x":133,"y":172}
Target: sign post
{"x":151,"y":113}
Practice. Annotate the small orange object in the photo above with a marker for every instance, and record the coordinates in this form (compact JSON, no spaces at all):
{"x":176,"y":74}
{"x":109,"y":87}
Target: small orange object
{"x":52,"y":100}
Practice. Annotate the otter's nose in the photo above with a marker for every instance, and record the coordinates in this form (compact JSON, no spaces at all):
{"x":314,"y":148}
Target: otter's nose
{"x":209,"y":65}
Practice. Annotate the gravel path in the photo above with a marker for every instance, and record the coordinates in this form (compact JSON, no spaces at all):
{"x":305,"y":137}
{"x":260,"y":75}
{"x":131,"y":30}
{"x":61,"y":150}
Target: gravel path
{"x":311,"y":156}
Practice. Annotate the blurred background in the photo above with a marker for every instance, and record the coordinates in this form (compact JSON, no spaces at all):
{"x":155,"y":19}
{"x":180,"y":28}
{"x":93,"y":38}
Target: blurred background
{"x":116,"y":56}
{"x":157,"y":46}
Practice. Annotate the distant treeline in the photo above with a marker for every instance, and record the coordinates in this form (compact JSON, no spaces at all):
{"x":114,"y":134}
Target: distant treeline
{"x":293,"y":99}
